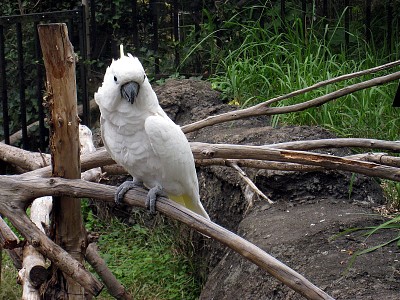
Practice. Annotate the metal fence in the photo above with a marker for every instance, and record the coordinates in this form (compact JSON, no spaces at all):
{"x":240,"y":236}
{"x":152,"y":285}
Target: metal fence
{"x":157,"y":32}
{"x":19,"y":68}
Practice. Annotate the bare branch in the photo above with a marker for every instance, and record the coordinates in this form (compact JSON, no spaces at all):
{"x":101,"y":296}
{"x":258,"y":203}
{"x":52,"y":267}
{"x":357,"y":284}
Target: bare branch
{"x":24,"y":187}
{"x":339,"y":143}
{"x":265,"y":109}
{"x":8,"y":239}
{"x":45,"y":246}
{"x":115,"y":288}
{"x":202,"y":150}
{"x":334,"y":80}
{"x":379,"y":158}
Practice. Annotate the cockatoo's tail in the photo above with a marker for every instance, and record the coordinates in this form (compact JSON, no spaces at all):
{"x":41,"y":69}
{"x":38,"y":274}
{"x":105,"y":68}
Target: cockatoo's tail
{"x":142,"y":138}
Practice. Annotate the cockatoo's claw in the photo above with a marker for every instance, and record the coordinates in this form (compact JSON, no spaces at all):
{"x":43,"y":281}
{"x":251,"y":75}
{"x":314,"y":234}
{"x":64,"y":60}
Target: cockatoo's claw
{"x":124,"y":188}
{"x":152,"y":198}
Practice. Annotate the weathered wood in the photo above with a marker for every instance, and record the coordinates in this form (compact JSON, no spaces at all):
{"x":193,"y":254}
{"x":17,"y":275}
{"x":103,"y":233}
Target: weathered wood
{"x":59,"y":257}
{"x":33,"y":264}
{"x":203,"y":150}
{"x":59,"y":60}
{"x":115,"y":288}
{"x":8,"y":239}
{"x":34,"y":271}
{"x":27,"y":187}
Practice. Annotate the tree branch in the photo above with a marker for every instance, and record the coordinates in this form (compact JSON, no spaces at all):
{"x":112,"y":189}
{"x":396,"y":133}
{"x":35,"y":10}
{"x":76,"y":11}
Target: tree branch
{"x":115,"y":288}
{"x":265,"y":109}
{"x":37,"y":187}
{"x":41,"y":242}
{"x":202,"y":150}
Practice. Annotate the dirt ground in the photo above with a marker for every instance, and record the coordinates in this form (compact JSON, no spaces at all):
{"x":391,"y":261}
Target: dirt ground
{"x":310,"y":208}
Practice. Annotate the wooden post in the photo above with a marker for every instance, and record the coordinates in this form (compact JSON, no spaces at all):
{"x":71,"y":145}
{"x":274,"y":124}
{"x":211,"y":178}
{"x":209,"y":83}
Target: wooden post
{"x":59,"y":60}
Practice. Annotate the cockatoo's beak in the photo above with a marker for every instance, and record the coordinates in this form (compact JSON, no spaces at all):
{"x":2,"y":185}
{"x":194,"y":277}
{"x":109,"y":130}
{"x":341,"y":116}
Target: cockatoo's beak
{"x":129,"y":91}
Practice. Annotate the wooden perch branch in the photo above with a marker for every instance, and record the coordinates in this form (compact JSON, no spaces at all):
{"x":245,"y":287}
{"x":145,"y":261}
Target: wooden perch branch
{"x":265,"y":108}
{"x":339,"y":143}
{"x":37,"y":187}
{"x":203,"y":150}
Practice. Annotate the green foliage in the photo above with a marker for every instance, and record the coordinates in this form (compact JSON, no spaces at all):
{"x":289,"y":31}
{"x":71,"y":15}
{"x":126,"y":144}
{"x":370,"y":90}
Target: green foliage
{"x":257,"y":56}
{"x":9,"y":289}
{"x":148,"y":262}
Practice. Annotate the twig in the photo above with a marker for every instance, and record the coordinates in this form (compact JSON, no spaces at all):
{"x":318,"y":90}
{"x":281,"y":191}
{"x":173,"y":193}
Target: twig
{"x":36,"y":187}
{"x":249,"y":182}
{"x":265,"y":109}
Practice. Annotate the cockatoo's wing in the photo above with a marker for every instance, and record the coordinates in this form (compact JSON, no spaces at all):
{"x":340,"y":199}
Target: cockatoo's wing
{"x":177,"y":168}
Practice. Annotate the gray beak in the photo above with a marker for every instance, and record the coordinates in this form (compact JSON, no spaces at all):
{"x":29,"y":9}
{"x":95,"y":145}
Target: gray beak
{"x":129,"y":91}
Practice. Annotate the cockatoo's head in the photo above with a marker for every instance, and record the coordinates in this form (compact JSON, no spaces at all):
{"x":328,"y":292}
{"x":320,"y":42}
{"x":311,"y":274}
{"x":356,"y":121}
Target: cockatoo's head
{"x":123,"y":81}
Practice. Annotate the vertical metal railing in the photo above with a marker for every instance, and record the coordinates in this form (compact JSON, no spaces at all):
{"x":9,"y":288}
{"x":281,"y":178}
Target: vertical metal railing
{"x":3,"y":87}
{"x":16,"y":23}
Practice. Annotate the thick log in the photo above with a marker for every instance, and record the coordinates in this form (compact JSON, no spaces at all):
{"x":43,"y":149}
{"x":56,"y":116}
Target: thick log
{"x":34,"y":271}
{"x":59,"y":60}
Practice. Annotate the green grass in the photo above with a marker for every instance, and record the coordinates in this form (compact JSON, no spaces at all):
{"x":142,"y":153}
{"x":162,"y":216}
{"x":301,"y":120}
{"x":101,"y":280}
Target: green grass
{"x":268,"y":63}
{"x":149,"y":262}
{"x":9,"y":289}
{"x":152,"y":263}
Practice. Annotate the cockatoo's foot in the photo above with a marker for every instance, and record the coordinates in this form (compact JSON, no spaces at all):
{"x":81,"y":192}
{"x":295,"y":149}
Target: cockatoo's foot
{"x":152,"y":198}
{"x":124,"y":188}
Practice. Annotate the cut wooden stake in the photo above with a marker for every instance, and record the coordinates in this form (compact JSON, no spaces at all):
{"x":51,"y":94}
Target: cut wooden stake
{"x":59,"y":60}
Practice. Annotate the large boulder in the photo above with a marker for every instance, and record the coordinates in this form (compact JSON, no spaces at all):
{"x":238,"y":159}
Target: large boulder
{"x":309,"y":209}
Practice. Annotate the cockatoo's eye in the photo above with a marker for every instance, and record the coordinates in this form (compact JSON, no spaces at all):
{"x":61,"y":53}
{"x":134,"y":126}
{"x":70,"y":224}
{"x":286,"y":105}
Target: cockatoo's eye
{"x":115,"y":79}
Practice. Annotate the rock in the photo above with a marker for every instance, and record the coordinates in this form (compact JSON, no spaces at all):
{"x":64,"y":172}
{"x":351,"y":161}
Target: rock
{"x":310,"y":208}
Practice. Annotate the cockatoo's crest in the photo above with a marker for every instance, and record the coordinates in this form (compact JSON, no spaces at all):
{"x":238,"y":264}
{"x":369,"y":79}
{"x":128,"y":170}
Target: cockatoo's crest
{"x":121,"y":50}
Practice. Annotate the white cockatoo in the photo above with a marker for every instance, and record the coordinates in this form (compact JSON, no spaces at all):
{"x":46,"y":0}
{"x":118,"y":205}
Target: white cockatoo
{"x":140,"y":136}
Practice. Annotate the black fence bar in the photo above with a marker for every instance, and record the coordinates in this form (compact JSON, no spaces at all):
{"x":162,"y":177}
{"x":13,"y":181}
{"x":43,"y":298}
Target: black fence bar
{"x":389,"y":21}
{"x":175,"y":19}
{"x":154,"y":14}
{"x":82,"y":68}
{"x":21,"y":81}
{"x":3,"y":86}
{"x":73,"y":18}
{"x":135,"y":33}
{"x":368,"y":20}
{"x":39,"y":91}
{"x":347,"y":24}
{"x":325,"y":9}
{"x":304,"y":16}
